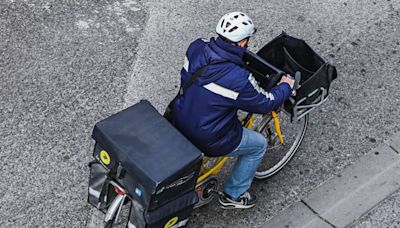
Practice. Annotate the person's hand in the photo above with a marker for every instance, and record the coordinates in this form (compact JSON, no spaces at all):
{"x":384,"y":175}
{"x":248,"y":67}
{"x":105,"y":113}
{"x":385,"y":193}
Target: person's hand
{"x":287,"y":79}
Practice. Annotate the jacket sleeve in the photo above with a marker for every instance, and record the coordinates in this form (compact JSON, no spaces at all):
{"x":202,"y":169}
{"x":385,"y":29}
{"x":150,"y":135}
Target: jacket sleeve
{"x":253,"y":98}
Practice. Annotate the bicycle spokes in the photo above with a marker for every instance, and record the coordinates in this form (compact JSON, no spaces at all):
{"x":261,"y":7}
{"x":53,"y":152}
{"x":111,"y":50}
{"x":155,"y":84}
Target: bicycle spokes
{"x":284,"y":137}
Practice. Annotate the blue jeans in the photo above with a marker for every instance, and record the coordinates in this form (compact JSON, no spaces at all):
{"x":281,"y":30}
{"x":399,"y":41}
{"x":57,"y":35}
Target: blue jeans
{"x":250,"y":153}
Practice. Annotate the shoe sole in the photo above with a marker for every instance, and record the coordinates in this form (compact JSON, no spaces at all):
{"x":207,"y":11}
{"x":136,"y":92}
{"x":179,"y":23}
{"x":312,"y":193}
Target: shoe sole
{"x":234,"y":206}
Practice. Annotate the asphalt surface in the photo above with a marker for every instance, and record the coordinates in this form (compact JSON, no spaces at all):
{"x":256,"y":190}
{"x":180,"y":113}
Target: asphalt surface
{"x":64,"y":66}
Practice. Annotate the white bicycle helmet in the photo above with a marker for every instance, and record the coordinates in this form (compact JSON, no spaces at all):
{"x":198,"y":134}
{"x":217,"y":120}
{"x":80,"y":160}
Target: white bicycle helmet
{"x":235,"y":26}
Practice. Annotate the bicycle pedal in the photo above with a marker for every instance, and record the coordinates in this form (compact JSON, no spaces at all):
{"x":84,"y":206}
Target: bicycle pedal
{"x":212,"y":191}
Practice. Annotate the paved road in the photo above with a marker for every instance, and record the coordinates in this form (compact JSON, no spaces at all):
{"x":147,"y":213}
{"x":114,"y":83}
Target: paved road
{"x":64,"y":66}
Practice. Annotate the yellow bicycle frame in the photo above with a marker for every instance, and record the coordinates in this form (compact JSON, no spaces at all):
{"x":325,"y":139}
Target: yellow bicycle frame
{"x":219,"y":162}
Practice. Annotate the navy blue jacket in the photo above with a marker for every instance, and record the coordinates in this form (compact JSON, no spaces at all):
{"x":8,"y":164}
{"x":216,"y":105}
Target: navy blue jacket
{"x":207,"y":112}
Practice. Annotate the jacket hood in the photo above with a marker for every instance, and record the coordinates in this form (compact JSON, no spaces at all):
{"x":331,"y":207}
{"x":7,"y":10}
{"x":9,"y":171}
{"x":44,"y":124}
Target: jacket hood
{"x":219,"y":55}
{"x":226,"y":50}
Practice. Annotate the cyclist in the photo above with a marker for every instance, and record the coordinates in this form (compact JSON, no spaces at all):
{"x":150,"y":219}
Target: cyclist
{"x":207,"y":112}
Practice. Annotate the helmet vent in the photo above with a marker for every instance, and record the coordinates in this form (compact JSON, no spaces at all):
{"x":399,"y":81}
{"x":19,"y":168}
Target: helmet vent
{"x":235,"y":26}
{"x":233,"y":29}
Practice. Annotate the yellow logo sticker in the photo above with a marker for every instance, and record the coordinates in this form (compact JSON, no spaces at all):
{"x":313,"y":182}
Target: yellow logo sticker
{"x":171,"y":222}
{"x":105,"y":157}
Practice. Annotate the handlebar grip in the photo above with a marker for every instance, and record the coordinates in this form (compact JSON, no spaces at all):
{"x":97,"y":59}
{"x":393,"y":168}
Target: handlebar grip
{"x":297,"y":78}
{"x":296,"y":85}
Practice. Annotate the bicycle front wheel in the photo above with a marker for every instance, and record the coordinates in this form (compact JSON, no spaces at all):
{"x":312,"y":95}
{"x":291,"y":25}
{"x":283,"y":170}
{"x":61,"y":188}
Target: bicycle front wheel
{"x":277,"y":154}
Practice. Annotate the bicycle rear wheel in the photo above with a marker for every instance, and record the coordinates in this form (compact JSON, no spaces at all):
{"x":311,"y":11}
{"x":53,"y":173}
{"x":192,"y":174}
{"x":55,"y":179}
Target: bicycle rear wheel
{"x":278,"y":155}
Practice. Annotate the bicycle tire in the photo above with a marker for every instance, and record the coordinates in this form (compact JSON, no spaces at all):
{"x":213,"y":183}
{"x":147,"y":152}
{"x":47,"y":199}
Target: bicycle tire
{"x":268,"y":168}
{"x":109,"y":224}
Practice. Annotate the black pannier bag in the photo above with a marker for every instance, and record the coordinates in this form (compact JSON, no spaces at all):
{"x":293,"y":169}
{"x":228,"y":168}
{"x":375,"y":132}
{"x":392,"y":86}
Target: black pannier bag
{"x":295,"y":55}
{"x":173,"y":214}
{"x":141,"y":151}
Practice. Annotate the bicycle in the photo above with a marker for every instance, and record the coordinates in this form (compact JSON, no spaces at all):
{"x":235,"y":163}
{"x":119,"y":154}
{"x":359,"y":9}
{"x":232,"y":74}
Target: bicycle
{"x":283,"y":128}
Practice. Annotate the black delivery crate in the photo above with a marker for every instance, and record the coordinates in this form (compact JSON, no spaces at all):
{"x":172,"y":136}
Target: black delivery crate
{"x":294,"y":55}
{"x":145,"y":154}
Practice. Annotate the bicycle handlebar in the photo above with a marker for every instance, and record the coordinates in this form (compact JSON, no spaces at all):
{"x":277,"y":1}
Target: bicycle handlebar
{"x":265,"y":62}
{"x":278,"y":71}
